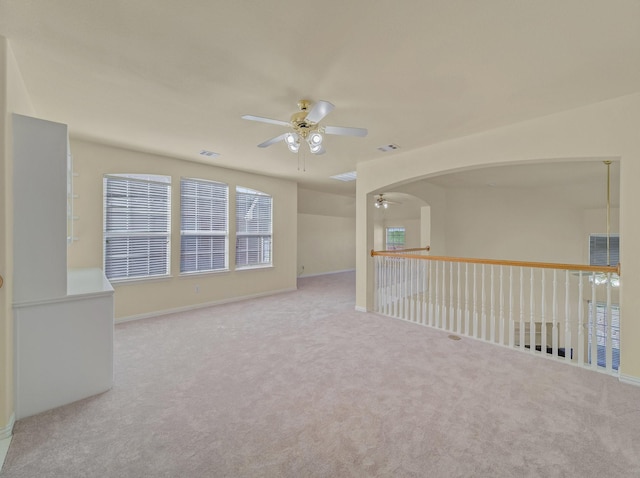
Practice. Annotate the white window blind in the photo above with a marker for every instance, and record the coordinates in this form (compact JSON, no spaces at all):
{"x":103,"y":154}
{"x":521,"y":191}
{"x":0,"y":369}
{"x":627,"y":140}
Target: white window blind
{"x":253,"y":228}
{"x":601,"y":322}
{"x":137,"y":226}
{"x":598,"y":250}
{"x":204,"y":207}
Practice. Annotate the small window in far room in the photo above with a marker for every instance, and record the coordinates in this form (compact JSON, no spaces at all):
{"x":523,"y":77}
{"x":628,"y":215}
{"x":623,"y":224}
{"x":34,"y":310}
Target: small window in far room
{"x":601,"y":253}
{"x":395,"y":238}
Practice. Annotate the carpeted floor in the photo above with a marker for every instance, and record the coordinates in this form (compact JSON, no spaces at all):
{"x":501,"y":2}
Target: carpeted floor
{"x":302,"y":385}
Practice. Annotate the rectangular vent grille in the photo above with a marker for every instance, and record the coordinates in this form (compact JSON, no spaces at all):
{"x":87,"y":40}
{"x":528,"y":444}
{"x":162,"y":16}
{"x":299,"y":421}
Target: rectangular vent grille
{"x":388,"y":147}
{"x":209,"y":154}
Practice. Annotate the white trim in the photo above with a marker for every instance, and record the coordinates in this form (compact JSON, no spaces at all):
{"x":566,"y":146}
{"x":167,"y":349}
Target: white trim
{"x":7,"y":431}
{"x":630,"y":379}
{"x":4,"y":449}
{"x":201,"y":306}
{"x":361,"y":309}
{"x":326,"y":273}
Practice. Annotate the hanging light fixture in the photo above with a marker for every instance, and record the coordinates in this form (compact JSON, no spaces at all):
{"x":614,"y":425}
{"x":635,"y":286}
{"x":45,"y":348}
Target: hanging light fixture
{"x":293,"y":142}
{"x":315,"y":142}
{"x":602,"y":278}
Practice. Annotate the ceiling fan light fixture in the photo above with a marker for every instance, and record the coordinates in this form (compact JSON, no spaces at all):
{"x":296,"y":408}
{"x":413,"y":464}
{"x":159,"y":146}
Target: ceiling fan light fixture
{"x":292,"y":141}
{"x":315,"y":139}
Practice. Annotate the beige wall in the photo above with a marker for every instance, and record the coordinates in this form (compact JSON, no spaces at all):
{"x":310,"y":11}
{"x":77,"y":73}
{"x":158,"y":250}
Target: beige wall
{"x":603,"y":130}
{"x":527,"y":224}
{"x":138,"y":299}
{"x":13,"y":99}
{"x":326,"y":232}
{"x":325,"y":244}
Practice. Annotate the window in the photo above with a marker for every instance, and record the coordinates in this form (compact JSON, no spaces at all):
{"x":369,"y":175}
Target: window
{"x":602,"y":326}
{"x":203,"y":225}
{"x":395,"y":238}
{"x":137,"y":226}
{"x":598,"y":250}
{"x":253,"y":228}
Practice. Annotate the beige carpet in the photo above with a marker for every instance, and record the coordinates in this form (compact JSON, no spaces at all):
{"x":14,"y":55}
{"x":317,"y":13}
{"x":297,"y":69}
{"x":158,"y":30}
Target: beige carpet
{"x":302,"y":385}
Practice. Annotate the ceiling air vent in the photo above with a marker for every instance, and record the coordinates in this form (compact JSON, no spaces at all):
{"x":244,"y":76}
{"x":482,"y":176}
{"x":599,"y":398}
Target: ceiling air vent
{"x":209,"y":154}
{"x":388,"y":147}
{"x":350,"y":176}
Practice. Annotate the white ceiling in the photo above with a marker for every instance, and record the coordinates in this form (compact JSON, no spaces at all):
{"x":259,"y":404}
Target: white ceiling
{"x":175,"y":77}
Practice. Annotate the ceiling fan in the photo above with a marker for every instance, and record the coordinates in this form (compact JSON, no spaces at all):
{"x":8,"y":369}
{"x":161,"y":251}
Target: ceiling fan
{"x":306,"y":127}
{"x":382,"y":202}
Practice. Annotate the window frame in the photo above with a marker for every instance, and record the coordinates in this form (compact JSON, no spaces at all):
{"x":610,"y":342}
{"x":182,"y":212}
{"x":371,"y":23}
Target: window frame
{"x":394,"y":243}
{"x":134,"y":217}
{"x":214,"y":232}
{"x":260,"y":232}
{"x":614,"y":251}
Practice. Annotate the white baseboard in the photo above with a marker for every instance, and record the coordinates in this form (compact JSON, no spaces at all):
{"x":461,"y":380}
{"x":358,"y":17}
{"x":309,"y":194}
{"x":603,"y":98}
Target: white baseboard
{"x":630,"y":379}
{"x":325,"y":273}
{"x":7,"y":430}
{"x":361,"y":309}
{"x":200,"y":305}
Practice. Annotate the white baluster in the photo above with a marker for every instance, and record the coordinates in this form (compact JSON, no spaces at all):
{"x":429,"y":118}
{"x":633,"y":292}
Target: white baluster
{"x":452,"y":314}
{"x":567,"y":319}
{"x":475,"y":303}
{"x":501,"y":340}
{"x":414,"y":288}
{"x":459,"y":300}
{"x":431,"y":290}
{"x":522,"y":308}
{"x":543,"y":306}
{"x":580,"y":322}
{"x":443,"y":301}
{"x":466,"y":299}
{"x":512,"y":320}
{"x":532,"y":314}
{"x":554,"y":311}
{"x":594,"y":323}
{"x":437,"y":300}
{"x":492,"y":314}
{"x":483,"y":309}
{"x":609,"y":349}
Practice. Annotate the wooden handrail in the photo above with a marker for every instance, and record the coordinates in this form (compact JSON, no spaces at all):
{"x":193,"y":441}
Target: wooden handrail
{"x":400,"y":251}
{"x":537,"y":265}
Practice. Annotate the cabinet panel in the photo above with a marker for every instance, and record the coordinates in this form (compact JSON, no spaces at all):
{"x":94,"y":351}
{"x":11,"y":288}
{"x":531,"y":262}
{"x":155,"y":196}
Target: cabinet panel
{"x":40,"y":209}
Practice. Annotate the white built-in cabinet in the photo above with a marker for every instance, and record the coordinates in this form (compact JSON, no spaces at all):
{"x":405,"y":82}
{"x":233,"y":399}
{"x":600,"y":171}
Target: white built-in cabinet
{"x":63,"y":319}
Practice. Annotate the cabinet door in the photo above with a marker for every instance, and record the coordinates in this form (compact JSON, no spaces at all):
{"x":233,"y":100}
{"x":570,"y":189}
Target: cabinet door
{"x":40,"y":209}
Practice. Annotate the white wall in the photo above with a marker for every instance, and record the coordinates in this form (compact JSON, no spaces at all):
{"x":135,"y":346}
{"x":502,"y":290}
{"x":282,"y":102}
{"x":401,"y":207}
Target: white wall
{"x":13,"y":99}
{"x":326,"y":233}
{"x":142,"y":298}
{"x":513,"y":224}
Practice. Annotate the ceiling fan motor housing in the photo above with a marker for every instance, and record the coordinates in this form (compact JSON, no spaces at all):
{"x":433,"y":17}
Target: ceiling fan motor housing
{"x":299,"y":121}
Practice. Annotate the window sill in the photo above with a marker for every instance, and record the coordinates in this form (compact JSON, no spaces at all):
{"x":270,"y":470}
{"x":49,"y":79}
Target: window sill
{"x":252,"y":268}
{"x":138,"y":280}
{"x":203,"y":273}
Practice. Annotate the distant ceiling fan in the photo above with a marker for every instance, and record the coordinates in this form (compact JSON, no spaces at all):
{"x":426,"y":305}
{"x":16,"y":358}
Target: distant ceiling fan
{"x":306,"y":127}
{"x":383,"y":202}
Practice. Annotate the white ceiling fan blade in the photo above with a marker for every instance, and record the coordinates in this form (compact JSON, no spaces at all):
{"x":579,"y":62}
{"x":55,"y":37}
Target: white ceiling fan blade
{"x":265,"y":120}
{"x":271,"y":141}
{"x":319,"y":111}
{"x":345,"y":131}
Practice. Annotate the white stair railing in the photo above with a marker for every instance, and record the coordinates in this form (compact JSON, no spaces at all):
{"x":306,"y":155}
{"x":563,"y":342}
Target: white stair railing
{"x":566,"y":312}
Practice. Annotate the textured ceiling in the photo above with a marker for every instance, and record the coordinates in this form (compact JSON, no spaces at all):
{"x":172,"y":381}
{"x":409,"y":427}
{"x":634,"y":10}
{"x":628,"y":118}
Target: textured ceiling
{"x":175,"y":77}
